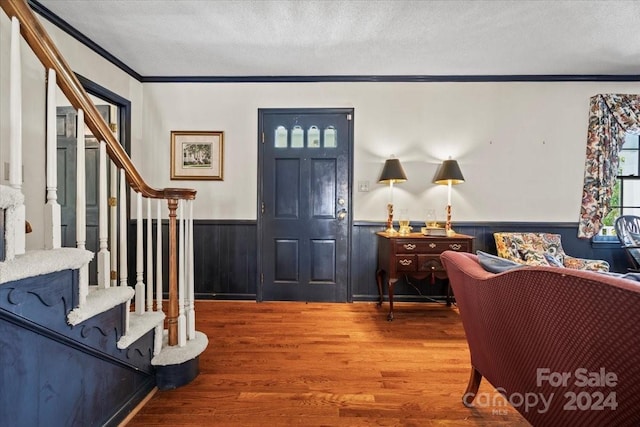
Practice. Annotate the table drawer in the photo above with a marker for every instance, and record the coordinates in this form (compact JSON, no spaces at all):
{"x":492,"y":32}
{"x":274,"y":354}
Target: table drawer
{"x":429,"y":263}
{"x":434,"y":247}
{"x":406,"y":263}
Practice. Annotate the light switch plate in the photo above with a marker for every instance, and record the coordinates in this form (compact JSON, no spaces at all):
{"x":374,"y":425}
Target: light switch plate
{"x":363,"y":186}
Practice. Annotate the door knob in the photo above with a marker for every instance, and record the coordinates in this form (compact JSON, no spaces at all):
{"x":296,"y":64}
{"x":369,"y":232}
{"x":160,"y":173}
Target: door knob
{"x":342,"y":214}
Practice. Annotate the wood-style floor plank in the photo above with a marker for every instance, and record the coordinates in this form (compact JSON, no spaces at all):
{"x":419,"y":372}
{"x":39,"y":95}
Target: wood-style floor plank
{"x":294,"y":364}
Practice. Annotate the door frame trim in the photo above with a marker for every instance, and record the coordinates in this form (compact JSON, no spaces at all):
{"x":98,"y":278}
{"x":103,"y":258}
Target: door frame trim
{"x":350,"y":149}
{"x":124,"y":109}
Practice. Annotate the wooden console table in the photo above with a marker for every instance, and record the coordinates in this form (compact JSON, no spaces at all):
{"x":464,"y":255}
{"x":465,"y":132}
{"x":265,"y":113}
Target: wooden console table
{"x":415,"y":255}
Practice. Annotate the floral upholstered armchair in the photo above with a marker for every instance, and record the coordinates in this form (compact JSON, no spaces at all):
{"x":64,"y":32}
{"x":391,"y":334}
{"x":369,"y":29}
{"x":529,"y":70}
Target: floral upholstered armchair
{"x":542,"y":249}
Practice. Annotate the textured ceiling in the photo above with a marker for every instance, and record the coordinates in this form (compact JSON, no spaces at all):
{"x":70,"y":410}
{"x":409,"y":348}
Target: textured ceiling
{"x":361,"y":38}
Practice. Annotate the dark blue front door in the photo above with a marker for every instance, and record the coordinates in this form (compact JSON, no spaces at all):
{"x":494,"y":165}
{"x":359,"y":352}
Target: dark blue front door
{"x":305,"y":204}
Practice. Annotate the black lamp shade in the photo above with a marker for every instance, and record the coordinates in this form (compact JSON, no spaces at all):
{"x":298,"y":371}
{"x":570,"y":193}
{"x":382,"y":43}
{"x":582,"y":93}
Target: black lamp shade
{"x":448,"y":171}
{"x":392,"y":172}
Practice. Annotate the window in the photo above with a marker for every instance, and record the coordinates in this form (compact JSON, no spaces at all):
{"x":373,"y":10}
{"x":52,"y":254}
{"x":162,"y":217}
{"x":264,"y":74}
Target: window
{"x":625,"y":199}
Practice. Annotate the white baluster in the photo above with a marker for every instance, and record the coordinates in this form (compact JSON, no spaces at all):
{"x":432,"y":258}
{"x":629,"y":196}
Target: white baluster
{"x":182,"y":326}
{"x":113,"y":231}
{"x":149,"y":258}
{"x":123,"y":229}
{"x":157,"y":339}
{"x":104,"y":261}
{"x":187,"y":270}
{"x":191,"y":313}
{"x":140,"y":288}
{"x":52,"y":214}
{"x":127,"y":317}
{"x":15,"y":133}
{"x":81,"y":196}
{"x":159,"y":255}
{"x":123,"y":246}
{"x":81,"y":203}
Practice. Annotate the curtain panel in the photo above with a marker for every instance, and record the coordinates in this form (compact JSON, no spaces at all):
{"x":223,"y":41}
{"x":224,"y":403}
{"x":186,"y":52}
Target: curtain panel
{"x":610,"y":117}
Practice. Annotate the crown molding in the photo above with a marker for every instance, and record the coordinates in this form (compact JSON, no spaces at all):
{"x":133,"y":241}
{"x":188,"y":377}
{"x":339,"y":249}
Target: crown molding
{"x":66,"y":27}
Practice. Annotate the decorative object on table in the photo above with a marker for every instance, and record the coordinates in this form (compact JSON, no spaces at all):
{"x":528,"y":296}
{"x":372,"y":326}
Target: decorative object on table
{"x":432,"y":227}
{"x":392,"y":173}
{"x":197,"y":155}
{"x":430,"y":218}
{"x":434,"y":230}
{"x":403,"y":221}
{"x":448,"y":174}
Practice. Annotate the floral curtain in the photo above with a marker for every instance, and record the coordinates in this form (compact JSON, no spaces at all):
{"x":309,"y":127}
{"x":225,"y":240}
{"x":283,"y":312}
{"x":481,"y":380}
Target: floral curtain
{"x":610,"y":117}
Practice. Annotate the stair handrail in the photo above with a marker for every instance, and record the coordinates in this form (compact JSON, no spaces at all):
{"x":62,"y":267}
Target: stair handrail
{"x":39,"y":41}
{"x":45,"y":50}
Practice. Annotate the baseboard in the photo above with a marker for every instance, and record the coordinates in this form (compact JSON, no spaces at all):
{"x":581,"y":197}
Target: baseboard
{"x":138,"y":407}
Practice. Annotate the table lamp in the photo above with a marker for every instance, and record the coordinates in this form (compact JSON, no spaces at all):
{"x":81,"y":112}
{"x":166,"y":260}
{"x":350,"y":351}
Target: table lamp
{"x":448,"y":173}
{"x":392,"y":173}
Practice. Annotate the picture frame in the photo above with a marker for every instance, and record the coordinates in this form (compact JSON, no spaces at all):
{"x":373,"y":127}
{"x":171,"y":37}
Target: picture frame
{"x":197,"y":155}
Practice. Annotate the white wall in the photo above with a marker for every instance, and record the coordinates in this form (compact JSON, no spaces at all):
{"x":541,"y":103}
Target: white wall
{"x":33,"y":107}
{"x":81,"y":60}
{"x":521,"y":146}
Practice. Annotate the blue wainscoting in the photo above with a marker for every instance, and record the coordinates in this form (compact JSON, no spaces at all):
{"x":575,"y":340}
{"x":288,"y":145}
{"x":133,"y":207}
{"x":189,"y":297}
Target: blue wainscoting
{"x":364,"y":254}
{"x":226,"y":264}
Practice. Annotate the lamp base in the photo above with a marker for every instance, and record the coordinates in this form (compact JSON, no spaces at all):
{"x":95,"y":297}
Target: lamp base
{"x":390,"y":229}
{"x":447,"y":225}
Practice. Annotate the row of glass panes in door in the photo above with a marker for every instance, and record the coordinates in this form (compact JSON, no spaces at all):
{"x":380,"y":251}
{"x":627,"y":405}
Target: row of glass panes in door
{"x":329,"y":137}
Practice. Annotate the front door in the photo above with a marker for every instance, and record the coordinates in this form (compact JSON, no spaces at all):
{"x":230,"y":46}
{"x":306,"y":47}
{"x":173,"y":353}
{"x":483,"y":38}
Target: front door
{"x":304,"y":204}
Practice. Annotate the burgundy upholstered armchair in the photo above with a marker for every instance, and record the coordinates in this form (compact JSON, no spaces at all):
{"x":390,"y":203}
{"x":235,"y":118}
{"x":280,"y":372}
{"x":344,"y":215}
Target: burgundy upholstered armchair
{"x":562,"y":346}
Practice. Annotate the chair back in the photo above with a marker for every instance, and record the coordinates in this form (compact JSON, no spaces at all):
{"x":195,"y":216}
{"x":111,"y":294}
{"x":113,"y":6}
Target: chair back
{"x":628,"y":231}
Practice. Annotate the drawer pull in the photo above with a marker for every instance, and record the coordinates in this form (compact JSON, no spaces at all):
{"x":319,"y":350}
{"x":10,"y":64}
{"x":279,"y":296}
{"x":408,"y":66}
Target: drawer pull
{"x":409,"y":246}
{"x":405,"y":262}
{"x":455,"y":246}
{"x":432,"y":245}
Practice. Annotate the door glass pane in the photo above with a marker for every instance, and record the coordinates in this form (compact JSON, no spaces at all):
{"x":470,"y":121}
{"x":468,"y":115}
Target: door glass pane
{"x":281,"y":137}
{"x":330,"y":138}
{"x":313,"y":137}
{"x":297,"y":137}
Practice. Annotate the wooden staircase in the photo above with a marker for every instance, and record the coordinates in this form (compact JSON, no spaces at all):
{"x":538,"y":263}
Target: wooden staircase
{"x":57,"y":374}
{"x":73,"y":351}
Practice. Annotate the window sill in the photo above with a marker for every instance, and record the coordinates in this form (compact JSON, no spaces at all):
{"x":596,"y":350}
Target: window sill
{"x":605,"y":242}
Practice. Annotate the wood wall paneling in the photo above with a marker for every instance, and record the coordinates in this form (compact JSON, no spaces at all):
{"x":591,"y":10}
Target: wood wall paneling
{"x":226,"y":264}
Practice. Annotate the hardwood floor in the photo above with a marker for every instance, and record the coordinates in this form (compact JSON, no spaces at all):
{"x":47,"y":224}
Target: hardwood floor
{"x":296,"y":364}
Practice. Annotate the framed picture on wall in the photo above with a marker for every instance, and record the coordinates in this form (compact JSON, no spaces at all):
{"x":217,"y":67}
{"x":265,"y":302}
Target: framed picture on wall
{"x":197,"y":155}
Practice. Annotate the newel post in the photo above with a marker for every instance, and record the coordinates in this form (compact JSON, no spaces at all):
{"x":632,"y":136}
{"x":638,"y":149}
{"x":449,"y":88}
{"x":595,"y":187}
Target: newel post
{"x":172,"y":315}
